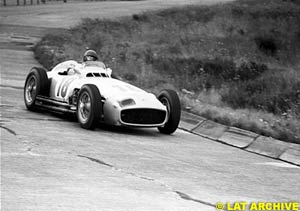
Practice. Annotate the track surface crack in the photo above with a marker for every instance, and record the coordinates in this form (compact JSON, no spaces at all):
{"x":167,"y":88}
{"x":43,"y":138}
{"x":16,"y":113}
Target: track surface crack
{"x":96,"y":160}
{"x":9,"y":130}
{"x":189,"y":198}
{"x":182,"y":195}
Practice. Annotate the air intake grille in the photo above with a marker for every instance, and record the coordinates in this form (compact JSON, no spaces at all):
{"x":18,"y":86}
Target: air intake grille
{"x":143,"y":116}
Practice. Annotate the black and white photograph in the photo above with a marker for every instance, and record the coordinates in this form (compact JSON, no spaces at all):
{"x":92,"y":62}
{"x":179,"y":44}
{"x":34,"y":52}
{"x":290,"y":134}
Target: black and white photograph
{"x":150,"y":105}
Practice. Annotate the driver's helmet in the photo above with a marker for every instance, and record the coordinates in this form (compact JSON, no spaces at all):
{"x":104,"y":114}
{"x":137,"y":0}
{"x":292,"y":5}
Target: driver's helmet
{"x":90,"y":55}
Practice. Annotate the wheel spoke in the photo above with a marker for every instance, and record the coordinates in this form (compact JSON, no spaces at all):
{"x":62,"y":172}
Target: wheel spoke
{"x":88,"y":106}
{"x":30,"y":92}
{"x":166,"y":103}
{"x":33,"y":92}
{"x":84,"y":106}
{"x":82,"y":113}
{"x":81,"y":105}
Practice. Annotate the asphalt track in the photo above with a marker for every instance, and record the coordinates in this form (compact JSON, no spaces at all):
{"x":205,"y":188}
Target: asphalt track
{"x":49,"y":163}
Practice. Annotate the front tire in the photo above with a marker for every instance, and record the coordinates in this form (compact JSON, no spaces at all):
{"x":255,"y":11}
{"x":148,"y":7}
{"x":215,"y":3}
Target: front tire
{"x":37,"y":83}
{"x":89,"y":106}
{"x":171,"y":100}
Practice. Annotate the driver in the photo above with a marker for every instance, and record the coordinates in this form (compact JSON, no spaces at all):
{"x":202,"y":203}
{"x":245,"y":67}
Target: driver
{"x":90,"y":58}
{"x":90,"y":55}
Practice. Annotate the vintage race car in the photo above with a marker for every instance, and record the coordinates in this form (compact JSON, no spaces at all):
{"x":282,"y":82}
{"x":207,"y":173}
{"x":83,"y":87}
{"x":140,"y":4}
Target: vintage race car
{"x":94,"y":96}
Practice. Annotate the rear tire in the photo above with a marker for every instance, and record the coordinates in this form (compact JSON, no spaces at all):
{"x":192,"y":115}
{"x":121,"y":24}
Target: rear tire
{"x":89,"y":106}
{"x":37,"y":83}
{"x":171,"y":100}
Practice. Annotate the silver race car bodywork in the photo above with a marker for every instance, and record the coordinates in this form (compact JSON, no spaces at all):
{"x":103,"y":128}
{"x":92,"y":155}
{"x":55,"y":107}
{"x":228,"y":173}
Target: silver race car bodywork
{"x":89,"y":89}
